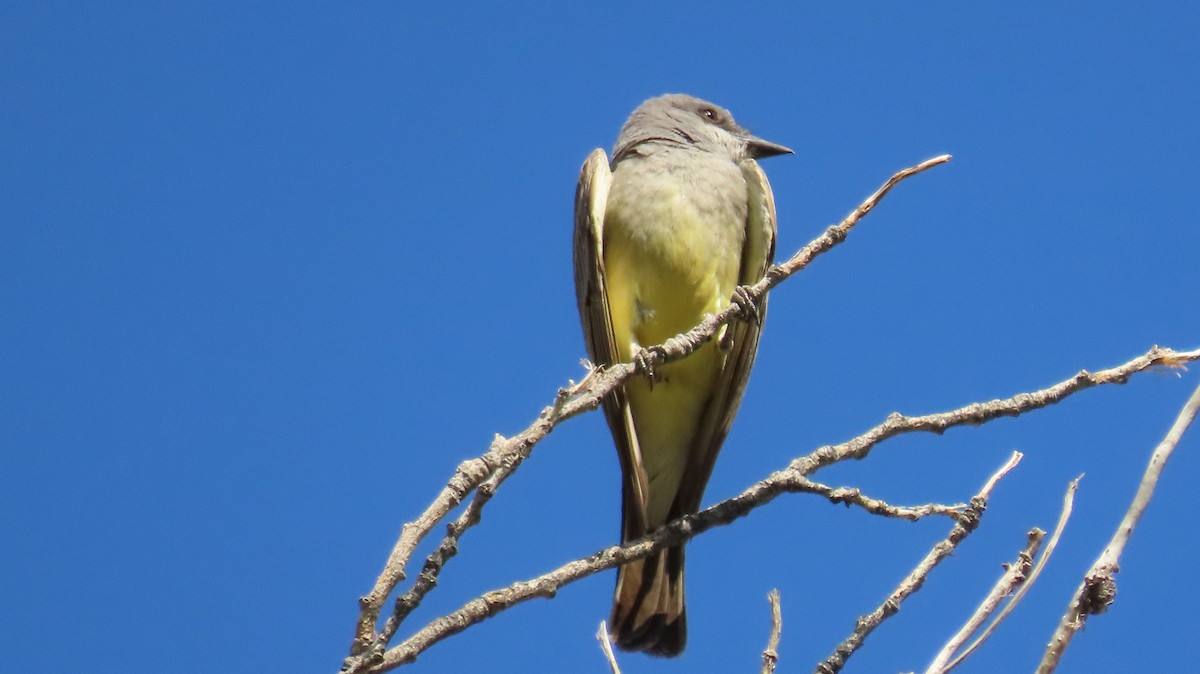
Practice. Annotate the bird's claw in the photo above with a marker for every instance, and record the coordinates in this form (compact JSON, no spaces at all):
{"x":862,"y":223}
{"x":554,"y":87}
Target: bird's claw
{"x":644,"y":365}
{"x":747,"y":307}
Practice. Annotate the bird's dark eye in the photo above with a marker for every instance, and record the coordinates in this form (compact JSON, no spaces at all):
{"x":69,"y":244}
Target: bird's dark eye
{"x":711,"y":114}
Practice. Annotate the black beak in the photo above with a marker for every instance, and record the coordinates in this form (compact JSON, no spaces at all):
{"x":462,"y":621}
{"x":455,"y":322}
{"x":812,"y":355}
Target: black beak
{"x":758,"y":148}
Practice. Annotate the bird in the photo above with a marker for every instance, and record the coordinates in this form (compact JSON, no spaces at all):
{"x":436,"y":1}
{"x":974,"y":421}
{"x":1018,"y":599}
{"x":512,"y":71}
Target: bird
{"x":672,"y":228}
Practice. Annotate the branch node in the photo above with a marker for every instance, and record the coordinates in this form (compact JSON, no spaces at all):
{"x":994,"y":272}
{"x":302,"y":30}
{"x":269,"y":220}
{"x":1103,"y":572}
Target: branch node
{"x":1101,"y":593}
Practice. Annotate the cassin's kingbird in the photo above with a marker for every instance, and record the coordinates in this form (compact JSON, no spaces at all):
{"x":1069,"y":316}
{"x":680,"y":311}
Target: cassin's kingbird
{"x":665,"y":234}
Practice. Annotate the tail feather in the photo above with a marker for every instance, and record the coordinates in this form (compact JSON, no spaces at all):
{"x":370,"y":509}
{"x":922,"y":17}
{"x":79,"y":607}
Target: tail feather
{"x":648,"y":610}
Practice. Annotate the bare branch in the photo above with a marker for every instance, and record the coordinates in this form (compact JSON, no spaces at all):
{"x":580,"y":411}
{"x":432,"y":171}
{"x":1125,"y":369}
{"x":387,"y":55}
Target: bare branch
{"x":486,"y":473}
{"x":1022,"y":574}
{"x":1042,"y":561}
{"x":1098,"y":588}
{"x":978,"y":413}
{"x":501,"y":459}
{"x":506,"y":454}
{"x":427,"y":579}
{"x":761,"y":493}
{"x":1013,"y":576}
{"x":606,"y":646}
{"x":867,"y":624}
{"x":684,"y":344}
{"x":771,"y":654}
{"x":852,"y":496}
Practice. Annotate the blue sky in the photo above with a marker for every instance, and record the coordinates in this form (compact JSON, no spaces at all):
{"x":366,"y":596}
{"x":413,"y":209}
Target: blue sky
{"x":268,"y":273}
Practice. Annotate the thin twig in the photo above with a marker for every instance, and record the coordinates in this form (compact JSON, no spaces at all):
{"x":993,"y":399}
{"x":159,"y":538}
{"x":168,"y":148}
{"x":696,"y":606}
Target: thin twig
{"x":1098,"y":588}
{"x":1013,"y":576}
{"x":867,"y":624}
{"x":606,"y":646}
{"x":505,"y":454}
{"x":1019,"y":576}
{"x":1047,"y":552}
{"x":427,"y":579}
{"x":771,"y":654}
{"x":853,"y":496}
{"x":978,"y":413}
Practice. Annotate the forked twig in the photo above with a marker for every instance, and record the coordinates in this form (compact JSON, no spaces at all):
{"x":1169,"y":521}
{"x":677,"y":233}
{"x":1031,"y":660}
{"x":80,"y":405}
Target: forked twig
{"x":867,"y":623}
{"x":1019,"y":576}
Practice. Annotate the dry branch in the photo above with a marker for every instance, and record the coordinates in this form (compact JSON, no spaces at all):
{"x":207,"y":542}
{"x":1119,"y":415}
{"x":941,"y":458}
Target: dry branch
{"x":1014,"y":575}
{"x":1020,"y":574}
{"x":606,"y":646}
{"x":968,"y":521}
{"x":506,"y":454}
{"x":369,"y":649}
{"x":770,"y":655}
{"x":1098,"y":588}
{"x":784,"y":481}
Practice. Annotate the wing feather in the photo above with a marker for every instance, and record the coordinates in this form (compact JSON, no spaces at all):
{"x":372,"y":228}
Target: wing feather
{"x":758,"y":253}
{"x":591,"y":199}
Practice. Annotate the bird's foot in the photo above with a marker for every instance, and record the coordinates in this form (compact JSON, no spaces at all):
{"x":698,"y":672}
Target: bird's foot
{"x":643,"y":362}
{"x":747,"y":307}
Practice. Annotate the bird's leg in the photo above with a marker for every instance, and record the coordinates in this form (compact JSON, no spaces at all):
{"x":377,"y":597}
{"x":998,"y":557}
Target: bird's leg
{"x":747,"y":307}
{"x":747,"y":311}
{"x":643,"y":363}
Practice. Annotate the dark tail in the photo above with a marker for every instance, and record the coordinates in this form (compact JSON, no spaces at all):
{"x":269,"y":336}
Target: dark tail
{"x":648,"y":610}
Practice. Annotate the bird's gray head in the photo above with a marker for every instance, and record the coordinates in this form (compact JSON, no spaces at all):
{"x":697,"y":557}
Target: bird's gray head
{"x":680,"y":121}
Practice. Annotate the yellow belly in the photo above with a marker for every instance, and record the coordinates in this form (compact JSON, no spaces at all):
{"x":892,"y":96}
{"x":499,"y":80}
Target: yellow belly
{"x":668,"y":264}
